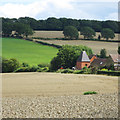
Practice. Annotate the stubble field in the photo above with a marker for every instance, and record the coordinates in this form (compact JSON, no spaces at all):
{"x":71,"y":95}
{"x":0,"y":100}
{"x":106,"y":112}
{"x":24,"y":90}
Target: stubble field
{"x":51,"y":95}
{"x":59,"y":34}
{"x":111,"y":47}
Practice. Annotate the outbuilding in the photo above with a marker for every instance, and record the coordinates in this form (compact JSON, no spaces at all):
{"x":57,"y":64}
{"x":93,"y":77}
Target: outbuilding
{"x":83,"y":61}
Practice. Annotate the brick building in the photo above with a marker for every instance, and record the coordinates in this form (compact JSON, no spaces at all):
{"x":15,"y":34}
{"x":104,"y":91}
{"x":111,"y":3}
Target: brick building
{"x":83,"y":61}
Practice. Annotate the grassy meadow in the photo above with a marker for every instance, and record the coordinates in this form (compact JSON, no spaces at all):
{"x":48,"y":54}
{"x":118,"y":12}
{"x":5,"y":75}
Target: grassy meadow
{"x":27,"y":51}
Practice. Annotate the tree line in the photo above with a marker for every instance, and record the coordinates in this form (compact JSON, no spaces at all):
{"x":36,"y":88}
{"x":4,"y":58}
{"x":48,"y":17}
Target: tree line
{"x":70,"y":32}
{"x":58,"y":24}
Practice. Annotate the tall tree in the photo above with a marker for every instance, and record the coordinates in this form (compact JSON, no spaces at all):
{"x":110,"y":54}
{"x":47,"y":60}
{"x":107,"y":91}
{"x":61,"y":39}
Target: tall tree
{"x":107,"y":33}
{"x":87,"y":32}
{"x":118,"y":49}
{"x":113,"y":25}
{"x":70,"y":32}
{"x":7,"y":29}
{"x":103,"y":53}
{"x":23,"y":29}
{"x":53,"y":24}
{"x":27,"y":31}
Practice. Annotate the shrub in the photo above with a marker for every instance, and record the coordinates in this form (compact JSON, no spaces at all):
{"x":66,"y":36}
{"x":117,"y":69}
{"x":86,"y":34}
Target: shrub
{"x":90,"y":92}
{"x":27,"y":69}
{"x":65,"y":71}
{"x":23,"y":69}
{"x":44,"y":69}
{"x":34,"y":68}
{"x":78,"y":72}
{"x":9,"y":65}
{"x":86,"y":70}
{"x":25,"y":65}
{"x":104,"y":69}
{"x":112,"y":73}
{"x":94,"y":70}
{"x":43,"y":65}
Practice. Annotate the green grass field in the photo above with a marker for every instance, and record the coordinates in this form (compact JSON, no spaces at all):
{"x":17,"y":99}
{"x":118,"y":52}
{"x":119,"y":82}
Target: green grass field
{"x":27,"y":51}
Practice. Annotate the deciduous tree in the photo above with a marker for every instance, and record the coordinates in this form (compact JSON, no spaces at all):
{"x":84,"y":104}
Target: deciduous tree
{"x":87,"y":32}
{"x":107,"y":33}
{"x":70,"y":32}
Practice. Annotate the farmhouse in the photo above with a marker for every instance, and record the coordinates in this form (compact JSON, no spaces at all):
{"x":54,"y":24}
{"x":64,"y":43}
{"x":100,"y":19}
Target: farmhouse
{"x":115,"y":58}
{"x":94,"y":61}
{"x":100,"y":62}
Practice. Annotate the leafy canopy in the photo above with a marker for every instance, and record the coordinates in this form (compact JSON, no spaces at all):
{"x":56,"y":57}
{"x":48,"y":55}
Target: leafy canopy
{"x":107,"y":33}
{"x":67,"y":56}
{"x":103,"y":53}
{"x":87,"y":32}
{"x":118,"y":49}
{"x":70,"y":32}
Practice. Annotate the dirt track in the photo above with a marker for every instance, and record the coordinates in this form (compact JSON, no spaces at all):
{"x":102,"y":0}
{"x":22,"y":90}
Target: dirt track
{"x":52,"y":84}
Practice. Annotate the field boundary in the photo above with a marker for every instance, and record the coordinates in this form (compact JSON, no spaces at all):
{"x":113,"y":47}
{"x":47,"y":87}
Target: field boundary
{"x":118,"y":41}
{"x":45,"y":43}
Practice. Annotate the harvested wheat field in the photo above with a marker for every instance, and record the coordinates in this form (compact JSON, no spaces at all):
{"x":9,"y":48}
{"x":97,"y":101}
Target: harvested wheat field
{"x":111,"y":47}
{"x":55,"y":95}
{"x":96,"y":46}
{"x":59,"y":34}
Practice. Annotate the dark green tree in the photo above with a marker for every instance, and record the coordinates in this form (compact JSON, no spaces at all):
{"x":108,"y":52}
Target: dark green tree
{"x":7,"y":29}
{"x":107,"y":33}
{"x":87,"y":32}
{"x":9,"y":65}
{"x":29,"y":21}
{"x":27,"y":31}
{"x":67,"y":56}
{"x":70,"y":32}
{"x":22,"y":29}
{"x":118,"y":49}
{"x":113,"y":25}
{"x":99,"y":37}
{"x":85,"y":23}
{"x":53,"y":24}
{"x":103,"y":53}
{"x":96,"y":25}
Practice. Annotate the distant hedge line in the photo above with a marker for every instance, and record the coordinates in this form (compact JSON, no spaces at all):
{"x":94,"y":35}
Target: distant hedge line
{"x":44,"y":43}
{"x":12,"y":65}
{"x":78,"y":39}
{"x":52,"y":45}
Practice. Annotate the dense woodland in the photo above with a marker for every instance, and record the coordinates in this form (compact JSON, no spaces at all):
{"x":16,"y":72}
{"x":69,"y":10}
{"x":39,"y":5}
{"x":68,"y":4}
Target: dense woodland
{"x":59,"y":24}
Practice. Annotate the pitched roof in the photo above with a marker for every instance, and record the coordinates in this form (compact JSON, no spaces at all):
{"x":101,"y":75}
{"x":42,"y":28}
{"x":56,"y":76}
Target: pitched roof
{"x":90,"y":56}
{"x":100,"y":62}
{"x":115,"y":57}
{"x":83,"y":57}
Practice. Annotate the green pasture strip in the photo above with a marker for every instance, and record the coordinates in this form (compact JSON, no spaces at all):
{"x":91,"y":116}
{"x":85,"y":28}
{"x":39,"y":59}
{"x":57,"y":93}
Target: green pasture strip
{"x":27,"y":51}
